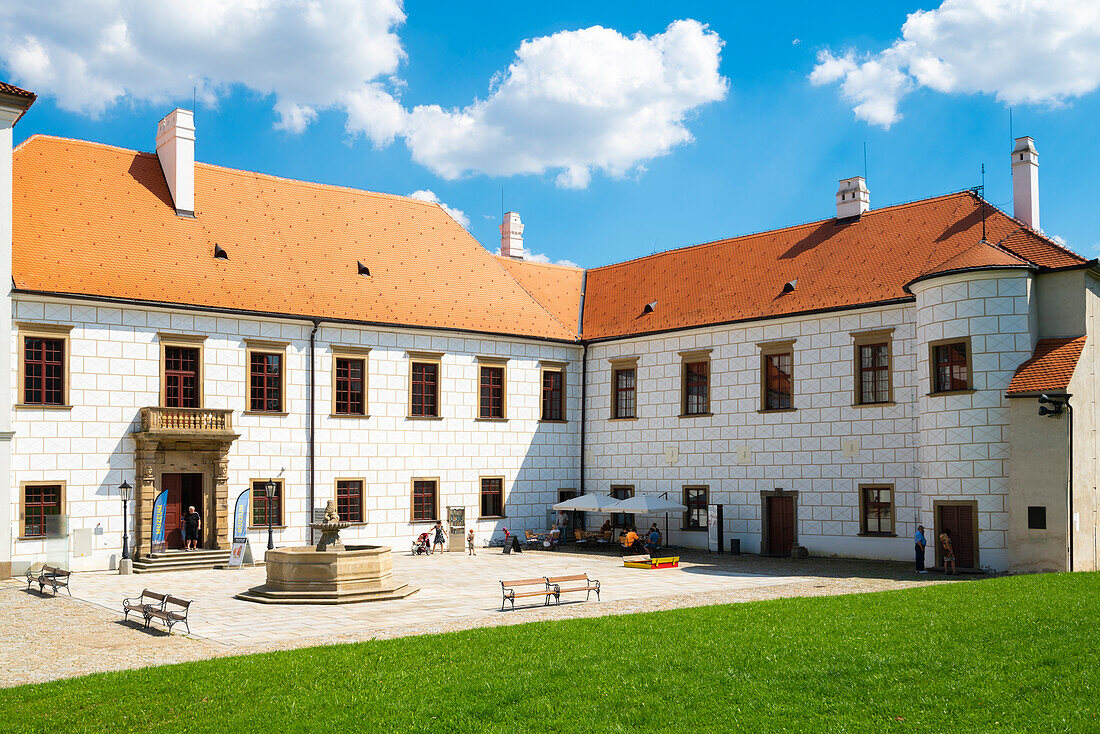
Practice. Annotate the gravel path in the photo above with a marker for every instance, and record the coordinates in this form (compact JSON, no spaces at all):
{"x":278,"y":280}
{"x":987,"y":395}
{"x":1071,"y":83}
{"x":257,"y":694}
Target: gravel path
{"x":48,"y":638}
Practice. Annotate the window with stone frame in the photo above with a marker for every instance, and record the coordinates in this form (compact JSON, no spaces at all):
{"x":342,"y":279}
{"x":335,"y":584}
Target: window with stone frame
{"x":425,"y":500}
{"x":490,"y":392}
{"x":696,"y":500}
{"x":492,"y":497}
{"x":625,"y":395}
{"x":424,"y":402}
{"x":350,"y":386}
{"x":950,"y":366}
{"x":553,"y":394}
{"x":349,"y":499}
{"x":43,"y":371}
{"x":696,"y":388}
{"x":778,"y":388}
{"x":264,"y":508}
{"x":265,"y":385}
{"x":181,"y":377}
{"x":622,"y":519}
{"x":873,"y":367}
{"x":40,"y":501}
{"x":876,"y":509}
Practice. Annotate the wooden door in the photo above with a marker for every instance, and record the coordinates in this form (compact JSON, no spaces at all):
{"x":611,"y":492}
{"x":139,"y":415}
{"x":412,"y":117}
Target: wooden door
{"x":959,"y":520}
{"x":173,"y":512}
{"x":780,"y":525}
{"x":191,"y":496}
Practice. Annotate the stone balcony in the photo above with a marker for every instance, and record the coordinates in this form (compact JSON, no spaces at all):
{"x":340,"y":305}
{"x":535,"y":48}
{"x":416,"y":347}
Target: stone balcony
{"x":196,"y":422}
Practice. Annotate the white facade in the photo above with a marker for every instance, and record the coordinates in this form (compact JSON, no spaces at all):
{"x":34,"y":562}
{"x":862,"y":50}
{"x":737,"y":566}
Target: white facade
{"x":115,"y":371}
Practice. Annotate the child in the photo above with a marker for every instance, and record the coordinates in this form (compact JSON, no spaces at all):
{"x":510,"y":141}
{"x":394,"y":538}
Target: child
{"x":470,"y":542}
{"x":948,"y":552}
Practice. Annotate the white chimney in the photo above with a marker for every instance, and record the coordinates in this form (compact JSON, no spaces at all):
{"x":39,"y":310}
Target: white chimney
{"x":1025,"y":182}
{"x":853,"y":198}
{"x":511,"y":236}
{"x":176,"y":151}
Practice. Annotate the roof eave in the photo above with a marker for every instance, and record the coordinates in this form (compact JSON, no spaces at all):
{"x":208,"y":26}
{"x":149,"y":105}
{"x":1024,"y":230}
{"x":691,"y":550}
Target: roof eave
{"x":974,"y":269}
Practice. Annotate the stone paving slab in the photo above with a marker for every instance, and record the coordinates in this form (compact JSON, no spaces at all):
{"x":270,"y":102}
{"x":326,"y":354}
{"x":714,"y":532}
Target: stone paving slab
{"x":452,"y":586}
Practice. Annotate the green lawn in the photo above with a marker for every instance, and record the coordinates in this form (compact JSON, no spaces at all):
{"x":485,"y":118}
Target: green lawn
{"x":1011,"y":654}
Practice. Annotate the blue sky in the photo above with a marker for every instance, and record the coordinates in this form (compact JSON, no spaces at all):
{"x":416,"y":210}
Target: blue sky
{"x":752,"y":142}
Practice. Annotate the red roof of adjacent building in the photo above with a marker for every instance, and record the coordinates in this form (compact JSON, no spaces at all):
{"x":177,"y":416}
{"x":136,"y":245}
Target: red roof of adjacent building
{"x":832,"y":264}
{"x":1050,"y":367}
{"x":13,"y":90}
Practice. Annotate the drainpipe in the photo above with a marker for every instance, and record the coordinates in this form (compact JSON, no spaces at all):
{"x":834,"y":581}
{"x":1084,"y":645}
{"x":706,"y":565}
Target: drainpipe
{"x":584,"y":373}
{"x":1069,"y":528}
{"x":312,"y":411}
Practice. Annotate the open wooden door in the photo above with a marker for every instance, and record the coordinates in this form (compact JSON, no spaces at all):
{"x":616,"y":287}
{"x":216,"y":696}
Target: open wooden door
{"x":173,"y":512}
{"x":960,"y":521}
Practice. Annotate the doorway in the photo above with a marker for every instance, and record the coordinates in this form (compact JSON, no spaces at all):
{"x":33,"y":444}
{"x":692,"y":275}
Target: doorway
{"x":184,"y":490}
{"x":779,"y":523}
{"x":961,"y":520}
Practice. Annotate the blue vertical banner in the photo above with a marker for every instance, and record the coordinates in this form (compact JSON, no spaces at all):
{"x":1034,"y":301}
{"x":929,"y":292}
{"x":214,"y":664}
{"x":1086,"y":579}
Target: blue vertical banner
{"x":160,"y":509}
{"x":240,"y":515}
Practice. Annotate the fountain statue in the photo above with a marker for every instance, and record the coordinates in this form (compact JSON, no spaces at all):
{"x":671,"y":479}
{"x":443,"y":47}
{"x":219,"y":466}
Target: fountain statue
{"x":328,"y":573}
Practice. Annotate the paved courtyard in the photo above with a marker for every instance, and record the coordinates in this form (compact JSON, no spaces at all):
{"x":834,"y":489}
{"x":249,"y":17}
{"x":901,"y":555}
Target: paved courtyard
{"x":85,"y":634}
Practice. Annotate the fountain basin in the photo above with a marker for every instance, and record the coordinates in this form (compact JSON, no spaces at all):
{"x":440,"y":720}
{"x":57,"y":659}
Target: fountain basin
{"x":350,"y":575}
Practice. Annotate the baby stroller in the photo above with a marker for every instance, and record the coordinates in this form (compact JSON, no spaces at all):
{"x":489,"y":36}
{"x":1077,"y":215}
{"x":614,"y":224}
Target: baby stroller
{"x":422,"y":545}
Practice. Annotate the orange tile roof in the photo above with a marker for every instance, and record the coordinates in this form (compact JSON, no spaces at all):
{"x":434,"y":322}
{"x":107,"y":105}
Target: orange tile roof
{"x":836,"y":265}
{"x":96,"y":220}
{"x":15,"y":91}
{"x":1050,"y":368}
{"x":557,"y":287}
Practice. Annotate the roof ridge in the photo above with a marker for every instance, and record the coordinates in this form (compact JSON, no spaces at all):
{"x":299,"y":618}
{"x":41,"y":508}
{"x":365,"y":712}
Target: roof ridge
{"x":749,"y":235}
{"x":541,"y":265}
{"x":1023,"y":226}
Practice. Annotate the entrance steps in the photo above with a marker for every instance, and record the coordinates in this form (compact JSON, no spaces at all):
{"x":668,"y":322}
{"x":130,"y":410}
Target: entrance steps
{"x":179,"y":560}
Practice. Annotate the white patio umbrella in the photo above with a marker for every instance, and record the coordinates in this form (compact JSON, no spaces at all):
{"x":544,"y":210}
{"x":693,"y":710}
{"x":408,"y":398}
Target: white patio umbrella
{"x":590,"y":503}
{"x":647,"y":504}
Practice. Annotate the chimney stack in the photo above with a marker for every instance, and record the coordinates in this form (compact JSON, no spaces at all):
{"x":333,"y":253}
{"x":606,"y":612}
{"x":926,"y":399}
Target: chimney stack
{"x":176,"y":151}
{"x":853,"y":198}
{"x":511,"y":236}
{"x":1025,"y":182}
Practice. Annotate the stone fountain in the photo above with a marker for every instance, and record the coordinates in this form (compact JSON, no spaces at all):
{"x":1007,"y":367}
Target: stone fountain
{"x":330,"y":573}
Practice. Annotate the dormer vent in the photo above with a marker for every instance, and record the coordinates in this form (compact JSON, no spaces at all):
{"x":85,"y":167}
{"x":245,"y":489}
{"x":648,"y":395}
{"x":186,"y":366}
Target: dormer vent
{"x":790,"y":285}
{"x":363,"y":269}
{"x":220,"y":253}
{"x":649,"y":307}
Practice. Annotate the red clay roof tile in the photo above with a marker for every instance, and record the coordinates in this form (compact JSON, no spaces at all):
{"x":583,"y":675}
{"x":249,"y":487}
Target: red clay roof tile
{"x":1050,"y":367}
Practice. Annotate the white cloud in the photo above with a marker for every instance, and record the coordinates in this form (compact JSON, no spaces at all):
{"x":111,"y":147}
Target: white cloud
{"x":570,"y":104}
{"x":457,"y":214}
{"x":91,"y":55}
{"x":1020,"y":51}
{"x":538,"y":257}
{"x":577,"y":102}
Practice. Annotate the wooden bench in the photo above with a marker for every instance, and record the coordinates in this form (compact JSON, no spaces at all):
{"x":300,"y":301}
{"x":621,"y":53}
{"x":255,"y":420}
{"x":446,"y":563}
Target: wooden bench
{"x":577,"y":582}
{"x":55,"y":578}
{"x":511,"y":592}
{"x":170,"y":616}
{"x":139,"y":605}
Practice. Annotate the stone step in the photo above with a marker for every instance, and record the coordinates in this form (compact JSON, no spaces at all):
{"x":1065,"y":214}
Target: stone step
{"x":174,"y":554}
{"x":262,"y":595}
{"x":181,"y":561}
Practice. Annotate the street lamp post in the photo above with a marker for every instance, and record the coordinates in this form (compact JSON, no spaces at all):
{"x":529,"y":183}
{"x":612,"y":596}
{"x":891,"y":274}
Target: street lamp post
{"x":126,"y":492}
{"x":270,"y":488}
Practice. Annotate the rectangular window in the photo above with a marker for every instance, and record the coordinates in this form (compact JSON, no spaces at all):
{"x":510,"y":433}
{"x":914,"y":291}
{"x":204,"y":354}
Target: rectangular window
{"x":877,"y":510}
{"x":950,"y":366}
{"x":625,"y":393}
{"x":39,"y":502}
{"x":622,"y":519}
{"x":181,"y":377}
{"x":349,"y":499}
{"x":425,"y":496}
{"x":1037,"y":517}
{"x":43,"y":371}
{"x":265,"y":388}
{"x":696,"y":388}
{"x":696,"y":499}
{"x":264,"y":508}
{"x":492,"y":497}
{"x":778,"y":387}
{"x":490,"y":392}
{"x":349,"y":388}
{"x":553,"y":395}
{"x":425,"y":390}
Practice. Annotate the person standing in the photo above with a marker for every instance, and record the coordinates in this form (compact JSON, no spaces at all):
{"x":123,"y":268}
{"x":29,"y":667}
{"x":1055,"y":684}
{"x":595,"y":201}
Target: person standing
{"x":439,"y":537}
{"x":470,"y":543}
{"x":192,"y":523}
{"x":919,"y":543}
{"x":948,"y":552}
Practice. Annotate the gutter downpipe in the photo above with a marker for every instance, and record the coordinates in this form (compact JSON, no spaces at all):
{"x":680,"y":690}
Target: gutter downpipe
{"x":1069,"y":527}
{"x":312,"y":411}
{"x":584,"y":373}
